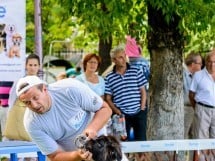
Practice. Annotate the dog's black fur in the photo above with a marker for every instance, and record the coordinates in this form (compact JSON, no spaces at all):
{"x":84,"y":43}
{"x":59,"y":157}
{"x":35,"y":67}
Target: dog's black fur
{"x":105,"y":148}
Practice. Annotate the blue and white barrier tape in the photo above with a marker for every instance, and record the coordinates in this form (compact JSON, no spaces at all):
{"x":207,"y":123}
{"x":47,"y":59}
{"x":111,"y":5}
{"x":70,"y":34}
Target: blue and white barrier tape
{"x":168,"y":145}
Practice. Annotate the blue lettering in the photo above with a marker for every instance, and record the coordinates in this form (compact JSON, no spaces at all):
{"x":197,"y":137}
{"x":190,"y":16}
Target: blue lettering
{"x":2,"y":11}
{"x":145,"y":146}
{"x":213,"y":143}
{"x":169,"y":145}
{"x":193,"y":144}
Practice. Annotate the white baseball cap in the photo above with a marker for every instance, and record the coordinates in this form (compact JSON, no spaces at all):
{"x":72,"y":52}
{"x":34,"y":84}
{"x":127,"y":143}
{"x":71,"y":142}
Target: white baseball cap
{"x":27,"y":82}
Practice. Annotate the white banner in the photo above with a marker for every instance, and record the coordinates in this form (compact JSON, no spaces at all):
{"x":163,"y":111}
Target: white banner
{"x":12,"y":39}
{"x":168,"y":145}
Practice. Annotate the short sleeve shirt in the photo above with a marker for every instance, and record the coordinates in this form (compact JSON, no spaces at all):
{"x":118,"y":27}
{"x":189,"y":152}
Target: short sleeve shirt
{"x":125,"y":89}
{"x":99,"y":87}
{"x":72,"y":103}
{"x":203,"y":86}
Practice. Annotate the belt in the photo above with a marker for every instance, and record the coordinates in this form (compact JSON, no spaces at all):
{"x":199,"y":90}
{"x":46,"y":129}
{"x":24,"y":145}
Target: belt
{"x":208,"y":106}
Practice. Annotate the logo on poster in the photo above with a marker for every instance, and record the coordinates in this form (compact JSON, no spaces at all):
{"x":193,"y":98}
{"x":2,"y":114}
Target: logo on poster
{"x":2,"y":11}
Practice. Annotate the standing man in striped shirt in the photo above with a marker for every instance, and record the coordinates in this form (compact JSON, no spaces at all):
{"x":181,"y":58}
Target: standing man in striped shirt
{"x":125,"y":93}
{"x":5,"y":87}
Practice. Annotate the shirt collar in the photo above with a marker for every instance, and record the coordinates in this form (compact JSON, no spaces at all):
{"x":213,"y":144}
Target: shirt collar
{"x":128,"y":66}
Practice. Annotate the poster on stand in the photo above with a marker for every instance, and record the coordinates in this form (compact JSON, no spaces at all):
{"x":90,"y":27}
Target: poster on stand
{"x":12,"y":39}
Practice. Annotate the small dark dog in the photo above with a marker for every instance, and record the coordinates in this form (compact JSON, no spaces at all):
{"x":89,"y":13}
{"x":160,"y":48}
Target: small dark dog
{"x":103,"y":148}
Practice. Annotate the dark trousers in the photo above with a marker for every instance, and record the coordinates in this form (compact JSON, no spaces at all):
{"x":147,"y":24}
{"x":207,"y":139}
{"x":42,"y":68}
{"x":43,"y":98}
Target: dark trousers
{"x":138,"y":123}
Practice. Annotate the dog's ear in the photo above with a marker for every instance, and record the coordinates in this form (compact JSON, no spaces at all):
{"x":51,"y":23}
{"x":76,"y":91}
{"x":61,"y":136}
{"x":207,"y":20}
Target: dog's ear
{"x":114,"y":149}
{"x":105,"y":148}
{"x":96,"y":149}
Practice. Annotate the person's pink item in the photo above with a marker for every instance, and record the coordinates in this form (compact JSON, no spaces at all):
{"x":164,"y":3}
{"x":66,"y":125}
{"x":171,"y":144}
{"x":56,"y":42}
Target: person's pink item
{"x":131,"y":47}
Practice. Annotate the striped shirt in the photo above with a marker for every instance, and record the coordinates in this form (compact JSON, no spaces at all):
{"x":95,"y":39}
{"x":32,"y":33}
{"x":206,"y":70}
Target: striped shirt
{"x":4,"y":92}
{"x":125,"y":89}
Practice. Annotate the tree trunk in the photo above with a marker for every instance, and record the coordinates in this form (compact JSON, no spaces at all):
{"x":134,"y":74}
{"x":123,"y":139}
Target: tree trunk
{"x":104,"y":51}
{"x":165,"y":44}
{"x":166,"y":96}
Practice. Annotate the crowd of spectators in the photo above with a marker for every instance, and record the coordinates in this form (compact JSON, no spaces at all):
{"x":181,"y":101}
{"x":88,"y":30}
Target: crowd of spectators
{"x":83,"y":102}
